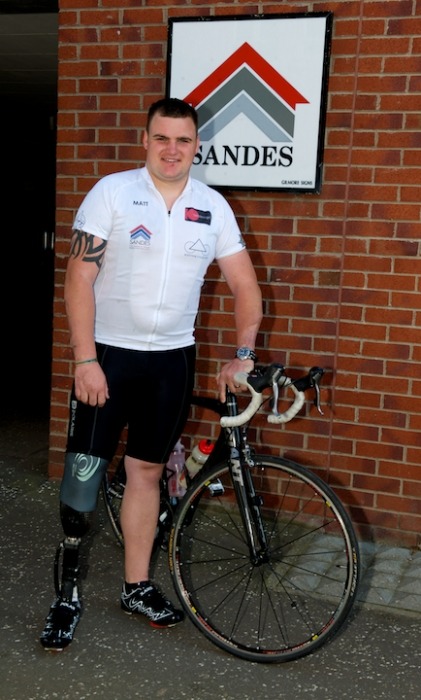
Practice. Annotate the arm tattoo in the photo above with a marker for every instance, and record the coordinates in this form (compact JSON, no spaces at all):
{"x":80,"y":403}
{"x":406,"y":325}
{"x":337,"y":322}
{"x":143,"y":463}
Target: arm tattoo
{"x":82,"y":246}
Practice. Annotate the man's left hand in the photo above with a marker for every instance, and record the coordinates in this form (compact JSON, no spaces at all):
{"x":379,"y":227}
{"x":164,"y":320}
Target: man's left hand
{"x":226,"y":377}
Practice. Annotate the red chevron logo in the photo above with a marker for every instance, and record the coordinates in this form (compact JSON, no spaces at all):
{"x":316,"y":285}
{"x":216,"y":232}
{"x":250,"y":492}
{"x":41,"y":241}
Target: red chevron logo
{"x":245,"y":54}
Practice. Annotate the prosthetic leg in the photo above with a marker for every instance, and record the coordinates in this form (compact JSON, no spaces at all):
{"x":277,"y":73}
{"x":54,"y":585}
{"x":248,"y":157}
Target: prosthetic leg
{"x":80,"y":485}
{"x":66,"y":609}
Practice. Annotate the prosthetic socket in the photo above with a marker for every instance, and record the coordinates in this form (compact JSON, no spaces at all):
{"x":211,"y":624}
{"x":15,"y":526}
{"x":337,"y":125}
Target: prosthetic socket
{"x":78,"y":497}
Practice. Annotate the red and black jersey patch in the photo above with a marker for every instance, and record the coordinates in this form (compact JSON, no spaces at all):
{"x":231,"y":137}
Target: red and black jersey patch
{"x":197,"y":215}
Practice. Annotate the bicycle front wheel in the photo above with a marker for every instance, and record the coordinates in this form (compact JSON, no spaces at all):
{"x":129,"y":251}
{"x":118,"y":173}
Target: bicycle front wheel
{"x":296,"y":594}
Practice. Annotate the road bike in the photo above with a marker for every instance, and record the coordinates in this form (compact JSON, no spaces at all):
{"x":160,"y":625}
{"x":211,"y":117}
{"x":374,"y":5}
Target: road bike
{"x":262,"y":553}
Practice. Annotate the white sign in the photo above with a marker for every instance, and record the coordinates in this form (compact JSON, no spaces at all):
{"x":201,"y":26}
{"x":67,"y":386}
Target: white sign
{"x":259,"y":86}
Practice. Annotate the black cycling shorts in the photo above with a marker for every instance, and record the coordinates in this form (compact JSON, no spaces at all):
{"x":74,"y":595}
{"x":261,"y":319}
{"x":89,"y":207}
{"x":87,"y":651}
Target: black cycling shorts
{"x":150,"y":393}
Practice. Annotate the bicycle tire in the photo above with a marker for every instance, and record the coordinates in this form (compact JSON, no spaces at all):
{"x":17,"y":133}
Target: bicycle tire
{"x":112,"y":487}
{"x":298,"y":596}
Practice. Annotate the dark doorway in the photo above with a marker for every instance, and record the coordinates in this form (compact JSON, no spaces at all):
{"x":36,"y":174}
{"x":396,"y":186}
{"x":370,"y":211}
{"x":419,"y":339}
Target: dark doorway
{"x":28,"y":101}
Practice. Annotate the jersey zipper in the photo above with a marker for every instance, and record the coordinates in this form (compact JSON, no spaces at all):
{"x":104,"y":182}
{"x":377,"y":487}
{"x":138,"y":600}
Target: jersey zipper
{"x":165,"y":265}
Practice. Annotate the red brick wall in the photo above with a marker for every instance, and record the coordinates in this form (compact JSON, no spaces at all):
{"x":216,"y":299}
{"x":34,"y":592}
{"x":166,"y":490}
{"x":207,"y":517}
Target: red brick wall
{"x":339,"y":271}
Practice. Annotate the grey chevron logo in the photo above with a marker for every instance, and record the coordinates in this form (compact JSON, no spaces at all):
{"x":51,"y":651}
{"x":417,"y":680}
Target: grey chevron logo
{"x":242,"y":104}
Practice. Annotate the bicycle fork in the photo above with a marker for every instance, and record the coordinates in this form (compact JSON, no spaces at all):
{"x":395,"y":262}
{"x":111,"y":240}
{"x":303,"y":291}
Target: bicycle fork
{"x":249,"y":502}
{"x":249,"y":505}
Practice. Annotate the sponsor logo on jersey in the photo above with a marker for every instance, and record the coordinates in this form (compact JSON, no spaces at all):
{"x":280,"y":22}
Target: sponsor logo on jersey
{"x":197,"y":215}
{"x":140,"y":237}
{"x":196,"y":249}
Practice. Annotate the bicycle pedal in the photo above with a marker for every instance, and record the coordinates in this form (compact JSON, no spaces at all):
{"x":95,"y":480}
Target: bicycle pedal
{"x":216,"y":488}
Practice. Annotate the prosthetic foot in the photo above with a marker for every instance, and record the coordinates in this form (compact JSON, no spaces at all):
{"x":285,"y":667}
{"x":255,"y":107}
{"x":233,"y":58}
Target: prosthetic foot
{"x":66,"y":610}
{"x":60,"y":624}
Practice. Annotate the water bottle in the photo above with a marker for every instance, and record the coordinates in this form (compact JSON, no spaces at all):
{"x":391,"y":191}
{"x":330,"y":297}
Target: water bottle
{"x":176,"y":471}
{"x":198,"y":457}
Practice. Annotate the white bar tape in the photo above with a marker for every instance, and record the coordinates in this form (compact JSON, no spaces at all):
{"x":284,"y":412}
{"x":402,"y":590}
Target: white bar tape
{"x":255,"y":403}
{"x":291,"y":411}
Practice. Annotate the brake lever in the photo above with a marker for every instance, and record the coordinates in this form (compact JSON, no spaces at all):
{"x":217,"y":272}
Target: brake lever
{"x":317,"y":401}
{"x":315,"y":375}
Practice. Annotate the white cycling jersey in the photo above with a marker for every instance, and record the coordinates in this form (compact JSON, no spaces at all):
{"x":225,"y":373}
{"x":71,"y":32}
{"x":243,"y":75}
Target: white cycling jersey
{"x":148,"y":288}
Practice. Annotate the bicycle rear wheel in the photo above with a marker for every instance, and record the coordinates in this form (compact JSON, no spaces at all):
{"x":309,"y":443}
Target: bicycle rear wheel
{"x":302,"y":588}
{"x":113,"y":486}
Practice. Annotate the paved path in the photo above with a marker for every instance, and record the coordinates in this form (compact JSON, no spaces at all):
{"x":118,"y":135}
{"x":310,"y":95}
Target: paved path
{"x":376,"y":656}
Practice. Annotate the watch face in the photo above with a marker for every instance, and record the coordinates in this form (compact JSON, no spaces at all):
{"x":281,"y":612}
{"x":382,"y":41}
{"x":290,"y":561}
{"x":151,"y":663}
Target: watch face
{"x":245,"y":354}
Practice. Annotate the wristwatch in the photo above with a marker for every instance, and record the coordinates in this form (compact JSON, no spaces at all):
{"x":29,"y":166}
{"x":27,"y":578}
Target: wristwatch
{"x":245,"y":353}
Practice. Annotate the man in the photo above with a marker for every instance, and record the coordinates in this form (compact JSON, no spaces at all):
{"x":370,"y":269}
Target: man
{"x":142,"y":242}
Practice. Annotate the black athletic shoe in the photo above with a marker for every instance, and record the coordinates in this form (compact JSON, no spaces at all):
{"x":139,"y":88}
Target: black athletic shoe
{"x":60,"y":624}
{"x":146,"y":599}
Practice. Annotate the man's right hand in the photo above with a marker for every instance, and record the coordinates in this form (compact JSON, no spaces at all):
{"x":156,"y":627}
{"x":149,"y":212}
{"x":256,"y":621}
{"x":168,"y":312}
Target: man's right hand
{"x":90,"y":385}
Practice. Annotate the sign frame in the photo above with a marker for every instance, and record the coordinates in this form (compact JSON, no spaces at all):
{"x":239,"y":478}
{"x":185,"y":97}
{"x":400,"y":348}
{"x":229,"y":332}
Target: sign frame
{"x":231,"y":70}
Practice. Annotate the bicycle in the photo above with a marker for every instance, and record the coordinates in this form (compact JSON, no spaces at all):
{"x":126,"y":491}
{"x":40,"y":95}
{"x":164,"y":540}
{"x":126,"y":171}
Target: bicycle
{"x":262,"y":553}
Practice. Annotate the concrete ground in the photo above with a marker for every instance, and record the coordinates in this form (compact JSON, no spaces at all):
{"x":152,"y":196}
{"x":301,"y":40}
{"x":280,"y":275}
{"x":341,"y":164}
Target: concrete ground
{"x":377,"y":655}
